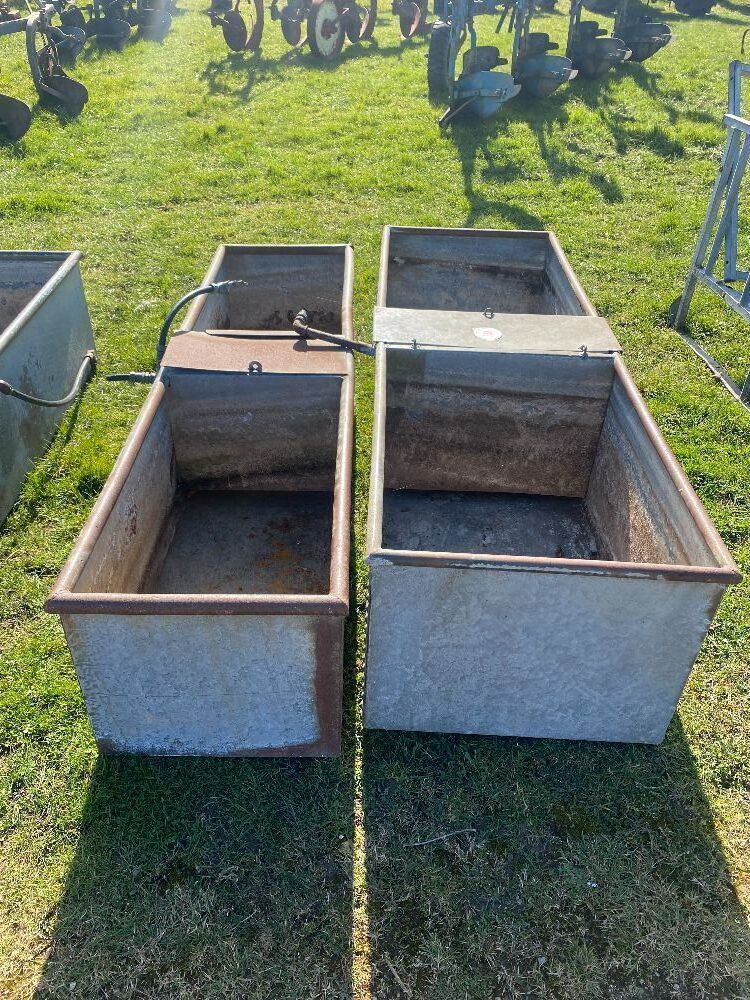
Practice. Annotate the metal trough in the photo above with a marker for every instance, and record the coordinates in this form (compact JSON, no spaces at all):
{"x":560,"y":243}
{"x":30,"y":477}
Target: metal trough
{"x":539,"y":564}
{"x":204,"y":601}
{"x":45,"y":339}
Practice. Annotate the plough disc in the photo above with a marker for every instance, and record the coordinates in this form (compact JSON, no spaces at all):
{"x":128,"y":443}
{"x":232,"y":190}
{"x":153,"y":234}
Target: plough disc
{"x":110,"y":31}
{"x":15,"y":117}
{"x":291,"y":27}
{"x":72,"y":17}
{"x":59,"y":87}
{"x":234,"y":29}
{"x":325,"y":30}
{"x":369,"y":26}
{"x":411,"y":17}
{"x":355,"y":20}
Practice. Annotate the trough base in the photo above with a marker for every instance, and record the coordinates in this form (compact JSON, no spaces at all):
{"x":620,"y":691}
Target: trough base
{"x":513,"y":524}
{"x":245,"y":542}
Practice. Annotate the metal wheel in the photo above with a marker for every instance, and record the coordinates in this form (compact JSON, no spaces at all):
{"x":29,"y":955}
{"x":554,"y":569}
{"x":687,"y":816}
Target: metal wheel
{"x":325,"y":30}
{"x":15,"y":117}
{"x":257,"y":16}
{"x":438,"y":57}
{"x":291,"y":26}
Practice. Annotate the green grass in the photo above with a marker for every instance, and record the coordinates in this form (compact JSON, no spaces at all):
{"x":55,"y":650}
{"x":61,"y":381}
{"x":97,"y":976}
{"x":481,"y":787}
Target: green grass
{"x":591,"y":871}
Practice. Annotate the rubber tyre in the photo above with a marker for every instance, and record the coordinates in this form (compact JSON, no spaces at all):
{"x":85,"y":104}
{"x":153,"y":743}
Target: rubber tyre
{"x":324,"y":47}
{"x":438,"y":55}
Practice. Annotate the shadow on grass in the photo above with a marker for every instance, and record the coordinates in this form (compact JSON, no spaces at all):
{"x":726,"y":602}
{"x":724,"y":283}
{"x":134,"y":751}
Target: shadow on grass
{"x":480,"y":142}
{"x":237,"y":73}
{"x":583,"y":871}
{"x":209,"y":878}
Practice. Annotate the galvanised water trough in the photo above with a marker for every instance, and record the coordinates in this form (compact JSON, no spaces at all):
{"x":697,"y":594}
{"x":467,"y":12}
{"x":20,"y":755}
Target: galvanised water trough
{"x":45,"y":341}
{"x":204,"y":601}
{"x":540,"y":565}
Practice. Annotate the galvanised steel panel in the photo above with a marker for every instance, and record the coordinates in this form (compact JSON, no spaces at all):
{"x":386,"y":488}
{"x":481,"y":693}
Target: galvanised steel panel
{"x":234,"y":685}
{"x":529,"y":653}
{"x":45,"y":331}
{"x":224,"y":637}
{"x":543,"y":640}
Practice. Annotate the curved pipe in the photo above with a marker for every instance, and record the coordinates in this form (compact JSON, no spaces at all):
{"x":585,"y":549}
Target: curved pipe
{"x":86,"y":369}
{"x":215,"y":286}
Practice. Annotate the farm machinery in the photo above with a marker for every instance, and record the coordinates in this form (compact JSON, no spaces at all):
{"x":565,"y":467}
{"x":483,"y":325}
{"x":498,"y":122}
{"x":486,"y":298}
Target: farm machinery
{"x":324,"y":24}
{"x":480,"y":88}
{"x":635,"y":36}
{"x":45,"y":62}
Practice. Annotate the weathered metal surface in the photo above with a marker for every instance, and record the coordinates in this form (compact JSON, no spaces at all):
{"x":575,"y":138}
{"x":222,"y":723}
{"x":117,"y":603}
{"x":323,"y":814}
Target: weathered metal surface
{"x":487,"y":523}
{"x":205,"y":599}
{"x":208,"y":684}
{"x":470,"y":420}
{"x":471,"y":270}
{"x":45,"y":331}
{"x":285,"y":279}
{"x":530,"y":653}
{"x":528,"y":614}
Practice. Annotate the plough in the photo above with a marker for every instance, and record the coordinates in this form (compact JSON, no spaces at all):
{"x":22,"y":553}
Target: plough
{"x":479,"y":88}
{"x":324,"y":24}
{"x":51,"y":81}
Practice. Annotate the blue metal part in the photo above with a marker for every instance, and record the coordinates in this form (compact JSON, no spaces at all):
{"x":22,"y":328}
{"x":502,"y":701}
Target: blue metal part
{"x":719,"y":234}
{"x":480,"y":89}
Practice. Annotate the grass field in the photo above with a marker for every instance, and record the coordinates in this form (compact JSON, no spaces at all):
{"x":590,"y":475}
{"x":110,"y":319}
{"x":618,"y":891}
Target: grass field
{"x":591,"y":871}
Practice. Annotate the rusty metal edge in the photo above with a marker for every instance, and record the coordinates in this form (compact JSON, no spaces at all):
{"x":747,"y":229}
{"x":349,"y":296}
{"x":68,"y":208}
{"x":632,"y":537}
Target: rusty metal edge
{"x":377,"y":461}
{"x":282,"y":248}
{"x":69,"y":260}
{"x":64,"y":599}
{"x":547,"y":235}
{"x":587,"y":567}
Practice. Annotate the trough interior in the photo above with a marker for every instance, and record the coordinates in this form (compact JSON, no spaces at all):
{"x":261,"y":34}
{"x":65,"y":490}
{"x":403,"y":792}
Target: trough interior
{"x":526,"y":455}
{"x":231,"y":491}
{"x":280,"y":284}
{"x":507,"y":273}
{"x":20,"y":281}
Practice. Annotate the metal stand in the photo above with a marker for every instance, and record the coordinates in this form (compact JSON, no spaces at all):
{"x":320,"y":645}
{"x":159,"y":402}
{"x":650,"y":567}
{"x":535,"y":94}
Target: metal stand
{"x":712,"y":239}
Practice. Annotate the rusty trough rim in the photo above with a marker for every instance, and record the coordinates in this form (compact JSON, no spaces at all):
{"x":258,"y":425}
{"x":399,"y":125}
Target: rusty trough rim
{"x":542,"y":235}
{"x":280,"y":249}
{"x":69,"y":260}
{"x":725,"y":572}
{"x":64,"y":599}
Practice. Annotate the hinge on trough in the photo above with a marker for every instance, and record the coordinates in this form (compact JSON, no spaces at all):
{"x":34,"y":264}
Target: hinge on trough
{"x":584,"y":350}
{"x":255,"y":368}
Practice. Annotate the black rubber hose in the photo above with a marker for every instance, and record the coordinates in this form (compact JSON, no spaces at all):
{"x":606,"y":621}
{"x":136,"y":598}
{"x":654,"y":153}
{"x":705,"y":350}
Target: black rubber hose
{"x":305,"y":331}
{"x":215,"y":286}
{"x":87,"y":367}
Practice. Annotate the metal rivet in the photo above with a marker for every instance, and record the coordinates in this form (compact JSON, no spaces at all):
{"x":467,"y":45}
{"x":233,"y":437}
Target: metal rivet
{"x":255,"y":368}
